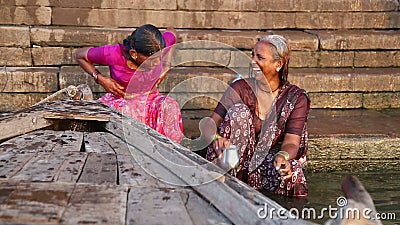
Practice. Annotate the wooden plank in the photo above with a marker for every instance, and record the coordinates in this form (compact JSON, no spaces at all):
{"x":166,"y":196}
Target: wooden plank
{"x":3,"y":222}
{"x":202,"y":212}
{"x":36,"y":202}
{"x":76,"y":116}
{"x":74,"y":159}
{"x":156,"y":206}
{"x":71,"y":167}
{"x":15,"y":153}
{"x":59,"y":149}
{"x":129,"y":172}
{"x":86,"y":110}
{"x":21,"y":123}
{"x":137,"y":169}
{"x":12,"y":160}
{"x":210,"y":185}
{"x":6,"y":188}
{"x":148,"y":147}
{"x":154,"y":168}
{"x":68,"y":141}
{"x":33,"y":118}
{"x":99,"y":169}
{"x":42,"y":167}
{"x":92,"y":204}
{"x":95,"y":142}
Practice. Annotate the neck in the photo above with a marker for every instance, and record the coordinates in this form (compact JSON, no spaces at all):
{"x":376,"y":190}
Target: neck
{"x":271,"y":87}
{"x":132,"y":65}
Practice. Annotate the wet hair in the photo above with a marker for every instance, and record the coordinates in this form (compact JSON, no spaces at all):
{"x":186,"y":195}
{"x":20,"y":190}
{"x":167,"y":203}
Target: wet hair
{"x":146,"y":40}
{"x":280,"y":52}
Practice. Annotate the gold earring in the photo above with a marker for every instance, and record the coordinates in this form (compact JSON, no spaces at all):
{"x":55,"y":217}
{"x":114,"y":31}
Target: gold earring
{"x":277,"y":69}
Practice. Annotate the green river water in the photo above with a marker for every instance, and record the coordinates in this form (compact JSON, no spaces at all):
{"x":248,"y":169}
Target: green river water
{"x":324,"y":190}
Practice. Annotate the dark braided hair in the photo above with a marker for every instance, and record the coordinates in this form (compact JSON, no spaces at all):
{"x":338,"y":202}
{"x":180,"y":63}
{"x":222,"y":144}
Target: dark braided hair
{"x":146,"y":40}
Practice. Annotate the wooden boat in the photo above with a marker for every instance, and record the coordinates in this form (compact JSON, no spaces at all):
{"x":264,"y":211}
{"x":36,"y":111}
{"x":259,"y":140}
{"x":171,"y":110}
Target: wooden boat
{"x":81,"y":162}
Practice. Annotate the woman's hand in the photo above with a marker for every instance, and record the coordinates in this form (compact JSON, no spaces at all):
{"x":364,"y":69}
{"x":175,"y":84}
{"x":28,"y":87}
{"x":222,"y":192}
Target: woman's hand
{"x":289,"y":149}
{"x":219,"y":145}
{"x":283,"y":167}
{"x":111,"y":86}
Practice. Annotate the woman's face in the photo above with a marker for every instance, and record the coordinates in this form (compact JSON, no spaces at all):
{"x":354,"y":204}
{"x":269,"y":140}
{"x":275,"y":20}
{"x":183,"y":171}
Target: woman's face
{"x":262,"y":57}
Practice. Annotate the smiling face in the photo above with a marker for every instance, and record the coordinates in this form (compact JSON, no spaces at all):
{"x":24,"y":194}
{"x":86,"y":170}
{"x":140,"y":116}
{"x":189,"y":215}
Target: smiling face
{"x":262,"y":57}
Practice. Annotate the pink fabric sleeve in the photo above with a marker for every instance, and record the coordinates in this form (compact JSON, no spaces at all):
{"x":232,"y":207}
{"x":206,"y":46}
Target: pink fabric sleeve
{"x":102,"y":55}
{"x":169,"y":38}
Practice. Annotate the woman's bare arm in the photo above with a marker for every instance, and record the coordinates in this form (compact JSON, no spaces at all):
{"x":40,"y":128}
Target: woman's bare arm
{"x":109,"y":84}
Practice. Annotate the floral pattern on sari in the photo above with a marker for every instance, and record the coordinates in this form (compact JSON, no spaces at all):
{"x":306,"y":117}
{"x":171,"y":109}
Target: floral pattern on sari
{"x":256,"y":165}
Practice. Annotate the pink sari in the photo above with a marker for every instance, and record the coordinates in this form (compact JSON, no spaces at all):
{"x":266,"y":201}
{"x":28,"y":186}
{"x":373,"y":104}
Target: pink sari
{"x":145,"y":104}
{"x":159,"y":112}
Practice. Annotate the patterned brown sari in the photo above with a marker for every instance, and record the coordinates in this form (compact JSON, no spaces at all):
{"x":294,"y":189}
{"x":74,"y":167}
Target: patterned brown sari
{"x":258,"y":140}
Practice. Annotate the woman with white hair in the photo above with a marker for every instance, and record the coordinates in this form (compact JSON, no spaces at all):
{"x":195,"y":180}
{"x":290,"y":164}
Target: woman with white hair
{"x":265,"y":117}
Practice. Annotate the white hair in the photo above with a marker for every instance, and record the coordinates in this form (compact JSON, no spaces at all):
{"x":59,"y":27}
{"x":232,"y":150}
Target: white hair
{"x":280,"y":44}
{"x":280,"y":52}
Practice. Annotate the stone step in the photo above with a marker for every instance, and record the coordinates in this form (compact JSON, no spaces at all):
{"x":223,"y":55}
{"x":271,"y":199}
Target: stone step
{"x":340,"y":140}
{"x":354,"y":140}
{"x":311,"y":79}
{"x":59,"y":56}
{"x":204,"y":15}
{"x":52,"y":46}
{"x":224,"y":5}
{"x":182,"y":79}
{"x":311,"y":40}
{"x":328,"y":88}
{"x":213,"y":19}
{"x":202,"y":87}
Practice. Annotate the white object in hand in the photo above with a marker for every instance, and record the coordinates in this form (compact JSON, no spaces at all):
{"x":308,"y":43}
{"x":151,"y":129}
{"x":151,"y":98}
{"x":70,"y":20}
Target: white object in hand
{"x":230,"y":157}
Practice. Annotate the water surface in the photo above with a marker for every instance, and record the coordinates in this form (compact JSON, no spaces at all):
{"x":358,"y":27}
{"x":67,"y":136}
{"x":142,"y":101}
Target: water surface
{"x":324,"y":190}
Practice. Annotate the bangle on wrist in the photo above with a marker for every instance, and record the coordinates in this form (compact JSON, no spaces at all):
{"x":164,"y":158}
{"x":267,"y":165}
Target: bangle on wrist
{"x":216,"y":137}
{"x":284,"y":154}
{"x":95,"y":75}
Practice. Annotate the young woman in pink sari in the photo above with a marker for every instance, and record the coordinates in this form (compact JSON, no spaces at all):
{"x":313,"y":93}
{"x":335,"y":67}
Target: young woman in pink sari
{"x":137,"y":66}
{"x":265,"y":117}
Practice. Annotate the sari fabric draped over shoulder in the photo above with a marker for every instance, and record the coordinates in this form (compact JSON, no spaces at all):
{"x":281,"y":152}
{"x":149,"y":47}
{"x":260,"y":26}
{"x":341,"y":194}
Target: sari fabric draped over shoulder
{"x":143,"y":101}
{"x":258,"y":140}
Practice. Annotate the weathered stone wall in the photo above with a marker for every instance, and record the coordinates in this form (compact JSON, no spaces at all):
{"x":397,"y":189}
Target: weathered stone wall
{"x":345,"y":53}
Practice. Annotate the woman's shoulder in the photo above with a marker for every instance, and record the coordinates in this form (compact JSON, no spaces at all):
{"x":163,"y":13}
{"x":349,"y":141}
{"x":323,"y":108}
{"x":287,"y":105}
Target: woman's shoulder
{"x":297,"y":91}
{"x":107,"y":50}
{"x":114,"y":53}
{"x":105,"y":54}
{"x":242,"y":86}
{"x":114,"y":47}
{"x":243,"y":83}
{"x":169,"y":38}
